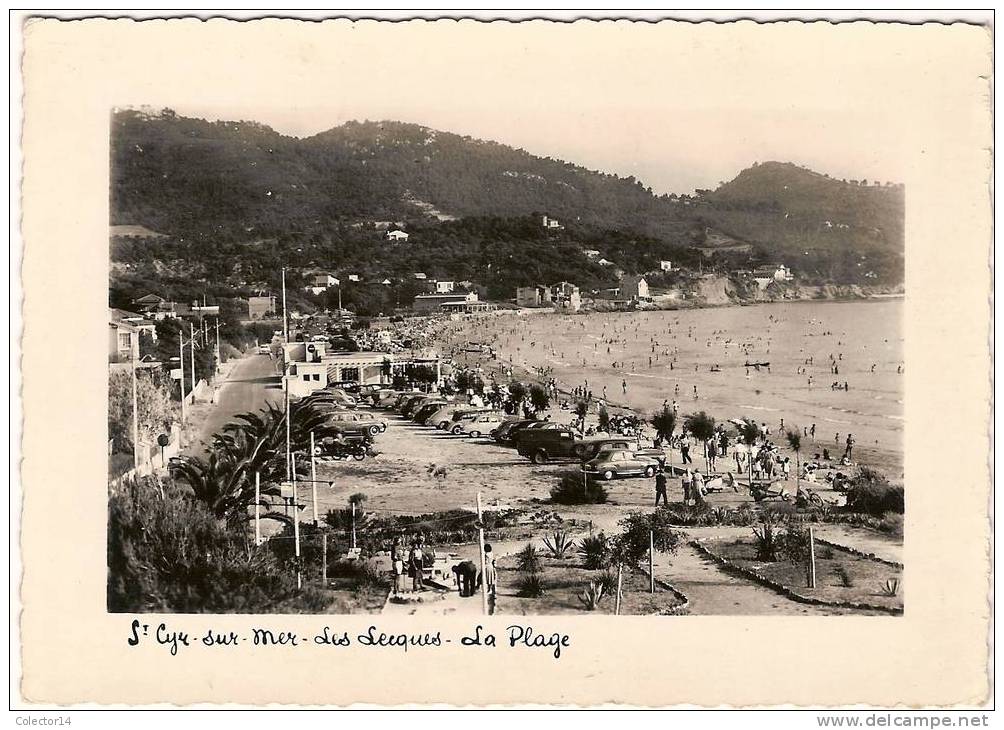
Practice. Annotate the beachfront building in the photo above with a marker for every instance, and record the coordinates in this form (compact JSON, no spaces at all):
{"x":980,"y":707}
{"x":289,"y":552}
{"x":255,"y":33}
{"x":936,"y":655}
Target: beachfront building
{"x":764,"y":276}
{"x":309,"y":367}
{"x":431,"y":303}
{"x":562,"y":295}
{"x":566,"y":296}
{"x":634,"y":288}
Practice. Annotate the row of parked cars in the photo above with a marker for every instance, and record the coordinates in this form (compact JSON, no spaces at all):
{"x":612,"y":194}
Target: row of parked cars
{"x":539,"y":440}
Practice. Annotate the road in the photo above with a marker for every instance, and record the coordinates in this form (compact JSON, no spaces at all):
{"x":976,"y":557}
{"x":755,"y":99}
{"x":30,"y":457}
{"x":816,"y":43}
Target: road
{"x":251,"y":383}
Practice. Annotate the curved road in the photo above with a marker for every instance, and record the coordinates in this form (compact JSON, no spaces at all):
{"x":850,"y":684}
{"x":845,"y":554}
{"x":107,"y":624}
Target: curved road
{"x":252,"y":382}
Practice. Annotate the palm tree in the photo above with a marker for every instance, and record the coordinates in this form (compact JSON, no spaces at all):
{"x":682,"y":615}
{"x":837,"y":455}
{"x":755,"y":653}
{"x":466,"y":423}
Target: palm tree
{"x":702,"y":426}
{"x":795,"y":442}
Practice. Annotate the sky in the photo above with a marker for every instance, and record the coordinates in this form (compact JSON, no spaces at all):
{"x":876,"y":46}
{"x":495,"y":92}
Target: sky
{"x":678,"y":107}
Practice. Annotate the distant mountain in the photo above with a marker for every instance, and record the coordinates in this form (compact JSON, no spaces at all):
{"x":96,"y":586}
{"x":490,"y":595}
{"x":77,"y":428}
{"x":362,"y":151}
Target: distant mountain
{"x":243,"y":181}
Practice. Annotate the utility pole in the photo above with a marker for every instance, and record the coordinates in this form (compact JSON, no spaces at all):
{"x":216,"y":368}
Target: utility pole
{"x":313,"y":478}
{"x":135,"y":416}
{"x":257,"y":508}
{"x":191,"y":326}
{"x":324,"y":559}
{"x":217,"y":344}
{"x":285,"y":325}
{"x":481,"y":554}
{"x":296,"y":524}
{"x":181,"y":360}
{"x":651,"y":560}
{"x":812,"y":559}
{"x":353,"y":525}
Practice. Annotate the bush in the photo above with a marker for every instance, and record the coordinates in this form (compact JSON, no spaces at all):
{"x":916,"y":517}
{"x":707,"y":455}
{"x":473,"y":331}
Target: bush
{"x":794,"y":543}
{"x":558,"y":544}
{"x":595,"y":552}
{"x":592,"y":596}
{"x":570,"y":490}
{"x":528,"y":559}
{"x":608,"y":581}
{"x":892,"y":523}
{"x":167,"y":553}
{"x":767,"y":539}
{"x":530,"y":586}
{"x":871,"y":493}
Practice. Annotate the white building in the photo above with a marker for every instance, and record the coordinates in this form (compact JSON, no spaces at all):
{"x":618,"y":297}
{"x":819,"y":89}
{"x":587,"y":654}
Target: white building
{"x":397,"y":235}
{"x":666,"y":265}
{"x":551,"y":224}
{"x":445,"y":287}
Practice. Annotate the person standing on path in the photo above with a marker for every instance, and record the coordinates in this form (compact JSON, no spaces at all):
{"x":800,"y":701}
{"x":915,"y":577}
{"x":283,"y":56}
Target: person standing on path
{"x":416,"y":567}
{"x":490,"y":570}
{"x":850,"y":446}
{"x":660,"y":488}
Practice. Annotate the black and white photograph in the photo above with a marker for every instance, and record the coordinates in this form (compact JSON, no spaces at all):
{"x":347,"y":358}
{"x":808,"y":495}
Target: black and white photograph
{"x":410,"y":366}
{"x":467,"y":360}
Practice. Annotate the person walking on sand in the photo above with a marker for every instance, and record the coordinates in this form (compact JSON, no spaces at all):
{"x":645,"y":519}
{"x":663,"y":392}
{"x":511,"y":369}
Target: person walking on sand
{"x":660,"y":488}
{"x":685,"y":449}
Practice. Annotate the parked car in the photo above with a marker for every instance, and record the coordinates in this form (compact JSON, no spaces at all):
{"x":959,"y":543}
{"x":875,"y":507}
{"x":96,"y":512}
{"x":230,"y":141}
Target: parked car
{"x":613,"y":464}
{"x":460,"y":425}
{"x":355,"y":423}
{"x":480,"y":425}
{"x":413,"y":406}
{"x":540,"y":444}
{"x":427,"y":409}
{"x":590,"y":449}
{"x":463,"y":413}
{"x":505,"y":433}
{"x":264,"y":350}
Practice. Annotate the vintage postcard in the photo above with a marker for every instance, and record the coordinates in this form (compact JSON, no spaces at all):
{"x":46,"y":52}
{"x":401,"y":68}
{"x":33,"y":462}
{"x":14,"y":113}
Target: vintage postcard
{"x":506,"y":363}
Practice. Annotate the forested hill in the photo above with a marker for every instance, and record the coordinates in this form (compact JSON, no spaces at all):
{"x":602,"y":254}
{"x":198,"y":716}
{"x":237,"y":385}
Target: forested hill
{"x":242,"y":181}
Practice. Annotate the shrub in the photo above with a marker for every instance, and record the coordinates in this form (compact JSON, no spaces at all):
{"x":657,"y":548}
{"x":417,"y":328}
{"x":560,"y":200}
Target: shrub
{"x":890,"y":588}
{"x":632,"y":545}
{"x":608,"y":581}
{"x":595,"y":551}
{"x":168,"y":554}
{"x":844,"y":577}
{"x":592,"y":596}
{"x":558,"y":544}
{"x":571,"y":490}
{"x":767,"y":541}
{"x":794,"y":543}
{"x":528,"y":559}
{"x":871,"y":493}
{"x":892,"y":523}
{"x":530,"y":586}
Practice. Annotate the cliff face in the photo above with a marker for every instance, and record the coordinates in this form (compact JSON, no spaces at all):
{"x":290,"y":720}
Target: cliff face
{"x":723,"y":290}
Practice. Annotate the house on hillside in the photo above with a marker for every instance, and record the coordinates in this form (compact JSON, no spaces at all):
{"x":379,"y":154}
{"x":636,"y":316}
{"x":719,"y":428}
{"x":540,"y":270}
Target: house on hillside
{"x":605,"y":262}
{"x":764,"y":276}
{"x":551,"y":224}
{"x":634,"y":288}
{"x":445,"y":287}
{"x":665,"y":265}
{"x":320,"y":283}
{"x":397,"y":235}
{"x":590,"y":253}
